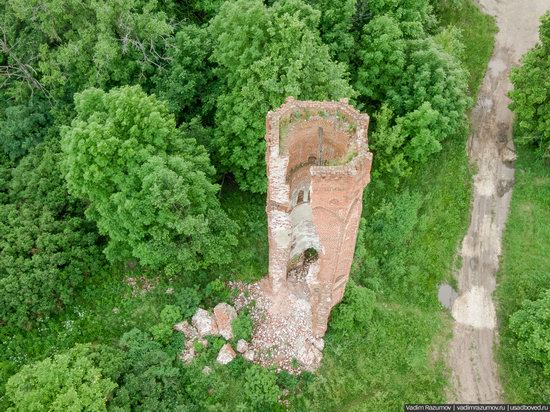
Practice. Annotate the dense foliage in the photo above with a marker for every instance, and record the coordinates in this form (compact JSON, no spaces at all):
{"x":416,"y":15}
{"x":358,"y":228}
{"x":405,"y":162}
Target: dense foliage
{"x":119,"y":123}
{"x":147,"y":183}
{"x":531,"y":325}
{"x":264,"y":55}
{"x":531,"y":93}
{"x":47,"y":246}
{"x":72,"y":381}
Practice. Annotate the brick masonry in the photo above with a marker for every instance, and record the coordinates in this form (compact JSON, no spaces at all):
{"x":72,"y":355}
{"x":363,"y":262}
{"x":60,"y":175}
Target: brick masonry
{"x":318,"y":164}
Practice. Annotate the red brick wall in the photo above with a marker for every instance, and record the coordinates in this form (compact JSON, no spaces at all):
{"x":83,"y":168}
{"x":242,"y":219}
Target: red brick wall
{"x":335,"y":192}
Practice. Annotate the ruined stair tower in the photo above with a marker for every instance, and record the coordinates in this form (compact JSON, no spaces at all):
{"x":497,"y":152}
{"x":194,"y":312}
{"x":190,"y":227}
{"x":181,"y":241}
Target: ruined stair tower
{"x":318,"y":164}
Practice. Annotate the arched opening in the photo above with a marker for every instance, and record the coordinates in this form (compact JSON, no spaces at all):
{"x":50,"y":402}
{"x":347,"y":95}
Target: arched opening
{"x":298,"y":267}
{"x":300,"y":197}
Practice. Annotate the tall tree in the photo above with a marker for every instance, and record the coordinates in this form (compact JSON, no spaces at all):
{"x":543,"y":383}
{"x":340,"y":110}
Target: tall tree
{"x":188,"y":85}
{"x":382,"y":57}
{"x":59,"y":47}
{"x":148,"y":183}
{"x":336,"y":26}
{"x":263,"y":56}
{"x":47,"y":246}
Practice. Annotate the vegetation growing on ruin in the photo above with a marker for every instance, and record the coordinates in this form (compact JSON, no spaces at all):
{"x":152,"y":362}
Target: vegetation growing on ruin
{"x":195,"y":150}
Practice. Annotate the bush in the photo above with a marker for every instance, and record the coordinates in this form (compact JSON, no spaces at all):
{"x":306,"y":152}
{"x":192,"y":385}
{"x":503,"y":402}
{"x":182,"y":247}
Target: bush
{"x":188,"y":299}
{"x":169,"y":316}
{"x":355,"y":311}
{"x":260,"y":388}
{"x":70,"y":381}
{"x":531,"y":325}
{"x":242,"y":327}
{"x":150,"y":380}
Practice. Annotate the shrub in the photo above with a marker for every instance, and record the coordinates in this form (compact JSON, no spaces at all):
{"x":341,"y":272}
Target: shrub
{"x":531,"y":325}
{"x":150,"y":379}
{"x":169,"y":316}
{"x":70,"y":381}
{"x":242,"y":327}
{"x":356,"y":309}
{"x":260,"y":388}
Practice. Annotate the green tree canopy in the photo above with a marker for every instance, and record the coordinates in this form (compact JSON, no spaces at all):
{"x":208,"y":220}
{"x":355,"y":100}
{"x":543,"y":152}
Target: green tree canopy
{"x":419,"y":86}
{"x":22,"y":126}
{"x":59,"y":47}
{"x":187,"y":84}
{"x":47,"y":247}
{"x":150,"y":378}
{"x":71,"y":381}
{"x":263,"y":56}
{"x":336,"y":27}
{"x":147,"y":183}
{"x":531,"y":93}
{"x":382,"y":54}
{"x":414,"y":15}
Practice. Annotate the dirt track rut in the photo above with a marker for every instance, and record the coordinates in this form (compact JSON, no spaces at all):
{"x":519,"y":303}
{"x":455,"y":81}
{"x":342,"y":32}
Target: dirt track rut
{"x":490,"y":147}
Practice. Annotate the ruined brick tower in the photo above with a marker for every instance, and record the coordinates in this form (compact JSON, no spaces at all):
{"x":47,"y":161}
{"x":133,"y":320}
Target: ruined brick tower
{"x":318,"y":164}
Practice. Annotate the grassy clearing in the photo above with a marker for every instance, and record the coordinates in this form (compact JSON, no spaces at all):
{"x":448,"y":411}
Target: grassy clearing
{"x":524,"y":273}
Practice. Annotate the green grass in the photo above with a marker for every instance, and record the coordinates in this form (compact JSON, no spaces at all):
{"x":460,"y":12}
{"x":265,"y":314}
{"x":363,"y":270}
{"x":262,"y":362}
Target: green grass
{"x":524,"y":273}
{"x":478,"y":31}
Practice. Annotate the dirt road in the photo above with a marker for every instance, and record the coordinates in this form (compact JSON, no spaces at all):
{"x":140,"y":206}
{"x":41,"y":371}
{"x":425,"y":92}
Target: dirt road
{"x":474,"y":372}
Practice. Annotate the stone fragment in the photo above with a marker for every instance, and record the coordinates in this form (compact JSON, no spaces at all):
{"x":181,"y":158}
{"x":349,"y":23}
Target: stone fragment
{"x":226,"y":354}
{"x":318,"y":343}
{"x":242,"y":346}
{"x":204,"y":323}
{"x":249,"y":355}
{"x":188,"y":353}
{"x":206,"y":370}
{"x":308,"y":355}
{"x":188,"y":330}
{"x":224,"y":315}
